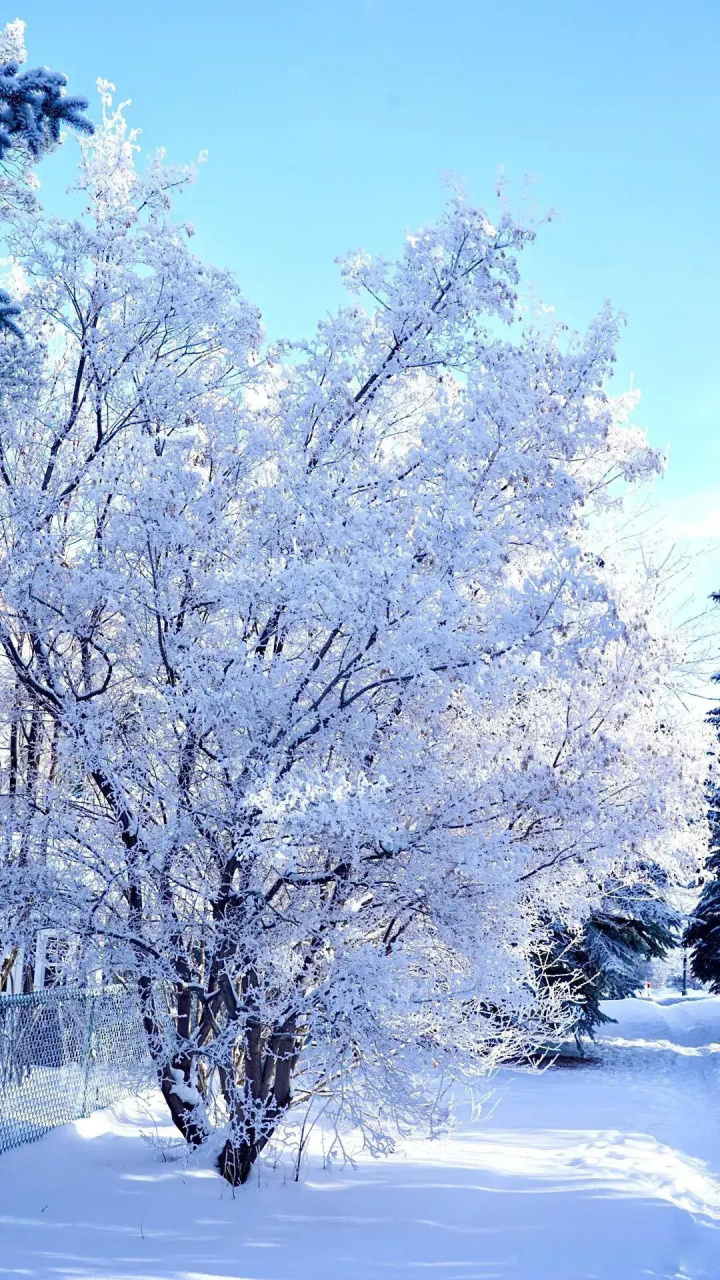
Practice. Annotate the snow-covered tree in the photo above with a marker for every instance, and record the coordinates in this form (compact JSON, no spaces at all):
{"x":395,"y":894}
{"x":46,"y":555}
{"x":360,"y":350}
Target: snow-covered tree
{"x":703,"y":932}
{"x":607,"y":956}
{"x":317,"y":690}
{"x":34,"y":108}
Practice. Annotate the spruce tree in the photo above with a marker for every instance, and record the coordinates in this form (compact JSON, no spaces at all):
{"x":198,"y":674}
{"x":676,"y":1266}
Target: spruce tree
{"x":34,"y":108}
{"x":605,"y":959}
{"x":703,"y":932}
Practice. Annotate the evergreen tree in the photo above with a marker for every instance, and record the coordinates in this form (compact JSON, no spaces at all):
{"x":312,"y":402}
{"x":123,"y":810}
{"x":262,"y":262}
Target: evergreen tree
{"x":605,"y":959}
{"x":9,"y":311}
{"x":703,"y":932}
{"x":34,"y":107}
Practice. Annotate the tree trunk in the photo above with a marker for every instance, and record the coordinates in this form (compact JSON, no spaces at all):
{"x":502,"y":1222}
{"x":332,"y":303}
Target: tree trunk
{"x":184,"y":1115}
{"x":236,"y":1161}
{"x":237,"y":1158}
{"x":269,"y":1090}
{"x":187,"y":1117}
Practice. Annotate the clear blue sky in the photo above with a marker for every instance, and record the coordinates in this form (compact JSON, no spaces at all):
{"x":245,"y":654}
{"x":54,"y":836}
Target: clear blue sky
{"x":330,"y":123}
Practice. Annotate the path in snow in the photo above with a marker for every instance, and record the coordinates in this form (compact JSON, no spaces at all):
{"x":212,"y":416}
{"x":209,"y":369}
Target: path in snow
{"x":607,"y":1172}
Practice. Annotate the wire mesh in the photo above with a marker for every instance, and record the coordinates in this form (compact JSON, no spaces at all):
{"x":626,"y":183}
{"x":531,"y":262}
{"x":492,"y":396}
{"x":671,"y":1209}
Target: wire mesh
{"x":64,"y":1052}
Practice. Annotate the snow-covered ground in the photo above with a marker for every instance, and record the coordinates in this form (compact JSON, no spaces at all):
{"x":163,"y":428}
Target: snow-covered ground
{"x":608,"y":1171}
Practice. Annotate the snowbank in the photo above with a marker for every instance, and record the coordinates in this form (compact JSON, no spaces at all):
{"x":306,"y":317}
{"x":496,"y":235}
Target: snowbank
{"x":608,"y":1171}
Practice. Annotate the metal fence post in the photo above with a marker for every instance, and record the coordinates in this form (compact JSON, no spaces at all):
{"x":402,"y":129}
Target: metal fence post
{"x":88,"y":1053}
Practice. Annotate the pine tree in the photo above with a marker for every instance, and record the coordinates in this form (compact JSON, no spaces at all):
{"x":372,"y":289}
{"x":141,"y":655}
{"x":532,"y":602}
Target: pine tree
{"x":605,"y":959}
{"x":9,"y":311}
{"x":703,"y":932}
{"x":34,"y":107}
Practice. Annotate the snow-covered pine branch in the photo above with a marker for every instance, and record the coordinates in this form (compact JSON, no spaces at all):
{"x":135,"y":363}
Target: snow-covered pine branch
{"x":34,"y":109}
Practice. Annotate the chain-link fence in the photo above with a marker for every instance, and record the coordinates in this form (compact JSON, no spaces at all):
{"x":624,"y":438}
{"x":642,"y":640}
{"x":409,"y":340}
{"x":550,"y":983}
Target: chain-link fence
{"x":64,"y":1053}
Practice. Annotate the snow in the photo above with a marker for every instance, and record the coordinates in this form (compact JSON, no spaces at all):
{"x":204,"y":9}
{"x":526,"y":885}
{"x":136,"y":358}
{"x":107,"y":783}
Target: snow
{"x":606,"y":1171}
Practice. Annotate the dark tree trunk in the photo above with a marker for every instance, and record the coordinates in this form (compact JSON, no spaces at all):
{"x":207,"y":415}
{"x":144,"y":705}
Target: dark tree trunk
{"x":267,"y":1089}
{"x":236,"y":1161}
{"x":184,"y":1115}
{"x":237,"y":1158}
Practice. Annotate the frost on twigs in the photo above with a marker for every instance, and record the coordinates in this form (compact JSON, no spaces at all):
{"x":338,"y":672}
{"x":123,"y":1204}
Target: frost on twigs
{"x":12,"y":42}
{"x":322,"y":687}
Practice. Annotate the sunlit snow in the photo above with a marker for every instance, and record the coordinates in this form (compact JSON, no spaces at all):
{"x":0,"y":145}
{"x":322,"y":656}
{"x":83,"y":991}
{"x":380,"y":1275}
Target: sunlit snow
{"x":609,"y":1171}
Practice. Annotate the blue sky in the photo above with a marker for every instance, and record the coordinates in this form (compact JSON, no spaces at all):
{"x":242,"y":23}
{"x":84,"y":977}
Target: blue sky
{"x":330,"y":124}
